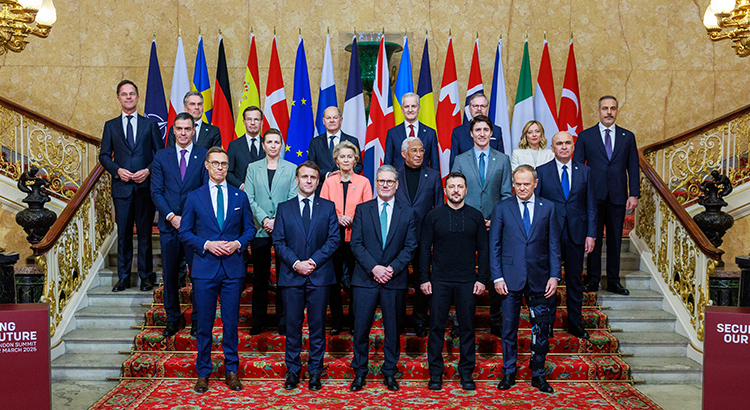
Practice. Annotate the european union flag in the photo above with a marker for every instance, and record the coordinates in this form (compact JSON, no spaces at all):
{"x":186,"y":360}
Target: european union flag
{"x":301,"y":122}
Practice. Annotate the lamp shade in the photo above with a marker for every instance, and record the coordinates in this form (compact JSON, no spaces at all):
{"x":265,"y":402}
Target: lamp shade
{"x":709,"y":19}
{"x":723,"y":6}
{"x":30,"y":4}
{"x":47,"y":15}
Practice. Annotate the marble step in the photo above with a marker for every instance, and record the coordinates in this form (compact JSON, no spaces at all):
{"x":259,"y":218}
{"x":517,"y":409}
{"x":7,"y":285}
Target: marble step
{"x":98,"y":341}
{"x":635,"y":279}
{"x":628,"y":261}
{"x":103,"y":296}
{"x":665,"y":370}
{"x":87,"y":366}
{"x":638,"y":299}
{"x":642,"y":320}
{"x":653,"y":344}
{"x":108,"y":277}
{"x":110,"y":317}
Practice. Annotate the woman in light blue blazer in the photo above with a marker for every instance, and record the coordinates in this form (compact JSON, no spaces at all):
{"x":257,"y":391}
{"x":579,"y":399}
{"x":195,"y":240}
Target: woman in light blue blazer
{"x":532,"y":146}
{"x":269,"y":182}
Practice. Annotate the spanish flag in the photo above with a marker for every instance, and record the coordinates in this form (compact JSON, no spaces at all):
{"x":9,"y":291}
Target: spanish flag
{"x":250,"y":90}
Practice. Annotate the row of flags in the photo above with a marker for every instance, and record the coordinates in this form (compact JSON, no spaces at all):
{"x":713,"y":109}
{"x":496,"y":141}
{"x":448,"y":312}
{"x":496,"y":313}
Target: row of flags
{"x":301,"y":125}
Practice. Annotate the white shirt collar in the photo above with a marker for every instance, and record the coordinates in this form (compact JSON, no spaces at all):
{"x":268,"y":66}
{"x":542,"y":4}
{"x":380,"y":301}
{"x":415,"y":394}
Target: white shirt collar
{"x":611,"y":128}
{"x":301,"y":197}
{"x":560,"y":164}
{"x":337,"y":135}
{"x":390,"y":203}
{"x":223,"y":184}
{"x":531,"y":200}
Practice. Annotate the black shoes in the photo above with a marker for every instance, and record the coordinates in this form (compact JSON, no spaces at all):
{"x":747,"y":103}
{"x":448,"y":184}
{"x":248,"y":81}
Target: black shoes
{"x":590,"y":287}
{"x":291,"y":382}
{"x":435,"y":383}
{"x":173,"y":328}
{"x":541,"y":384}
{"x":618,"y":289}
{"x":578,"y":331}
{"x":336,"y":331}
{"x":507,"y":381}
{"x":121,"y":285}
{"x":497,"y":331}
{"x":314,"y":383}
{"x":467,"y":383}
{"x":358,"y":383}
{"x":256,"y":330}
{"x":420,"y":330}
{"x":147,"y":285}
{"x":390,"y":382}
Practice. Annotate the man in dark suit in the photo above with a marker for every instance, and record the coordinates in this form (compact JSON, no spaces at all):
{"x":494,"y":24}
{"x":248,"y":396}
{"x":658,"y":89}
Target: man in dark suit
{"x":525,"y":263}
{"x":247,"y":148}
{"x":216,"y":225}
{"x":411,"y":128}
{"x":206,"y":135}
{"x":461,"y":140}
{"x":128,"y":145}
{"x":611,"y":153}
{"x":569,"y":186}
{"x":175,"y":172}
{"x":305,"y":236}
{"x":321,"y":147}
{"x":384,"y":239}
{"x":422,"y":190}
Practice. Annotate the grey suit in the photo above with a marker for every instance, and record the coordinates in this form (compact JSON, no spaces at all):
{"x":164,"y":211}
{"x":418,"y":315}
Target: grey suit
{"x":497,"y":184}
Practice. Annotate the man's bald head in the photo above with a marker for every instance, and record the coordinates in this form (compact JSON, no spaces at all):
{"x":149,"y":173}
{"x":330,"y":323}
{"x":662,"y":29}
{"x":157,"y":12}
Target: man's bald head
{"x":562,"y":146}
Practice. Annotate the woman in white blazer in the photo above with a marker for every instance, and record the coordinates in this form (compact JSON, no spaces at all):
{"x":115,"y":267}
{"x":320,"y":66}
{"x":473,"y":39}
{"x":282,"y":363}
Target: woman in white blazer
{"x":532,"y":147}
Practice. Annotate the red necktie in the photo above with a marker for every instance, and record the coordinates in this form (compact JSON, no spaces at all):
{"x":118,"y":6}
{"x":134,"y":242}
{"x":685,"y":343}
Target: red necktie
{"x":411,"y":130}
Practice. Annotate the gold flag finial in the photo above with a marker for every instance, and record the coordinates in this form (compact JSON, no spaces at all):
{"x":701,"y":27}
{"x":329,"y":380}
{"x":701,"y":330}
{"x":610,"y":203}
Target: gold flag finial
{"x":300,"y":30}
{"x":449,"y":32}
{"x":545,"y":34}
{"x":328,"y":29}
{"x":274,"y":30}
{"x":251,"y":30}
{"x":154,"y":34}
{"x":477,"y":34}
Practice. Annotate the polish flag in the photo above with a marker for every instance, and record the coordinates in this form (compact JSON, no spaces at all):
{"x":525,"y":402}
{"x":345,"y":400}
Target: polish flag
{"x":275,"y":111}
{"x":381,"y":116}
{"x":544,"y":101}
{"x":570,"y":102}
{"x":448,"y":110}
{"x":180,"y":85}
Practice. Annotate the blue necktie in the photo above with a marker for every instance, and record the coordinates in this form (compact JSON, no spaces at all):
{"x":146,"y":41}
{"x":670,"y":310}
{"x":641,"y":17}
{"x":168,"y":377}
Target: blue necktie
{"x":219,"y":207}
{"x":608,"y":143}
{"x":306,"y":215}
{"x":565,"y":182}
{"x":526,"y":217}
{"x":130,"y":135}
{"x":481,"y":167}
{"x":384,"y":222}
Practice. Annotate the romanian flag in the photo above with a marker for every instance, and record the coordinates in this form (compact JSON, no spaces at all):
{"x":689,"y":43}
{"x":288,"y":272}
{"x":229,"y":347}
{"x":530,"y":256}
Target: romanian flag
{"x":250,"y":90}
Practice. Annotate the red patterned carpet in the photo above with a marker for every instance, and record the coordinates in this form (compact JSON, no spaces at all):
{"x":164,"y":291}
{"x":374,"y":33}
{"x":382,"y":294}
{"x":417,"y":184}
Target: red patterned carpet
{"x":178,"y":394}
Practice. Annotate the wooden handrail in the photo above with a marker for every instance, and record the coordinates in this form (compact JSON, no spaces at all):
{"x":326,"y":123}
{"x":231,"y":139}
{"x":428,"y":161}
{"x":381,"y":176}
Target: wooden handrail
{"x":68,"y":213}
{"x":687,"y":222}
{"x":696,"y":131}
{"x":49,"y":122}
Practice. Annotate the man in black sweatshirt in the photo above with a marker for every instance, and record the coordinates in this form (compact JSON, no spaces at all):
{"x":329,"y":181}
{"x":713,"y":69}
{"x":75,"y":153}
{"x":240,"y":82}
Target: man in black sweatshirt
{"x":456,"y":234}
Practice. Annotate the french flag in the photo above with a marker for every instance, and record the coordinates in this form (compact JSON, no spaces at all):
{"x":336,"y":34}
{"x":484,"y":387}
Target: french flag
{"x":355,"y":116}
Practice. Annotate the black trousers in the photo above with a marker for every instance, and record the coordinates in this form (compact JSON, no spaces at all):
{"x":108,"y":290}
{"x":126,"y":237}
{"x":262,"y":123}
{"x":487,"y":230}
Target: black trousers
{"x":421,"y":301}
{"x":461,"y":295}
{"x":343,"y":265}
{"x":261,"y":248}
{"x":572,"y":256}
{"x":139,"y":210}
{"x":612,"y":216}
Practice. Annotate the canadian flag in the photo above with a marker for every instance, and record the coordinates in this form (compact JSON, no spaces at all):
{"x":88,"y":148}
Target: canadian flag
{"x":275,"y":111}
{"x":448,"y":110}
{"x":570,"y":102}
{"x":544,"y":101}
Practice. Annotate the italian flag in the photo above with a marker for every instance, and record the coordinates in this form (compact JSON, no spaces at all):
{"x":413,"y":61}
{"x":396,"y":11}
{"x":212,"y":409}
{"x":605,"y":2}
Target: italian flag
{"x":524,"y":108}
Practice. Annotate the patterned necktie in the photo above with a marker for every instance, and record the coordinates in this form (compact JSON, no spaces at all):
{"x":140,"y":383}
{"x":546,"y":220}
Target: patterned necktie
{"x":482,"y":166}
{"x":411,"y":130}
{"x":384,"y":222}
{"x":306,"y":215}
{"x":608,"y":143}
{"x":526,"y":217}
{"x":130,"y":134}
{"x":219,"y":207}
{"x":195,"y":134}
{"x":565,"y":182}
{"x":330,"y":144}
{"x":254,"y":149}
{"x":183,"y":164}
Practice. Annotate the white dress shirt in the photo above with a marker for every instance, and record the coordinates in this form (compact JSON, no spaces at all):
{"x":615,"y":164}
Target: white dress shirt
{"x":336,"y":138}
{"x":133,"y":121}
{"x":531,"y":208}
{"x":388,"y":211}
{"x":250,"y":143}
{"x":416,"y":128}
{"x":611,"y":134}
{"x":560,"y":172}
{"x":214,"y":191}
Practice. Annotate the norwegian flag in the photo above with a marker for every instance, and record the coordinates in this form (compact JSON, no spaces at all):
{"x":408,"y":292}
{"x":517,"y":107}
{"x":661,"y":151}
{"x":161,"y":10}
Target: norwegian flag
{"x":275,"y":111}
{"x":475,"y":85}
{"x":381,"y":116}
{"x":448,"y":109}
{"x":570,"y":102}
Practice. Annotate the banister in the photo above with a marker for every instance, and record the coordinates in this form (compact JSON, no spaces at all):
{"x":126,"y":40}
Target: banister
{"x":684,"y":218}
{"x":49,"y":122}
{"x":68,"y":213}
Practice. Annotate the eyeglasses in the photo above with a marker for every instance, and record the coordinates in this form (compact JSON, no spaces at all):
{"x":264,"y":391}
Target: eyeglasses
{"x":216,"y":164}
{"x":478,"y":106}
{"x":417,"y":150}
{"x":386,"y":182}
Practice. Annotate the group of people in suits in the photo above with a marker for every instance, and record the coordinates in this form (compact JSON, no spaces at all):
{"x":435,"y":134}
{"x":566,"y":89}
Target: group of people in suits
{"x":503,"y":229}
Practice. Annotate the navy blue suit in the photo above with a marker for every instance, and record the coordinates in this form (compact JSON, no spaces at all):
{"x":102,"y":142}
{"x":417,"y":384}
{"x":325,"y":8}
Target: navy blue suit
{"x":367,"y":247}
{"x":209,"y":136}
{"x":461,"y":140}
{"x":429,"y":196}
{"x":319,"y":153}
{"x":292,"y":244}
{"x":132,"y":201}
{"x":576,"y":216}
{"x":215,"y":276}
{"x":526,"y":263}
{"x":614,"y":180}
{"x":169,"y":192}
{"x":396,"y":136}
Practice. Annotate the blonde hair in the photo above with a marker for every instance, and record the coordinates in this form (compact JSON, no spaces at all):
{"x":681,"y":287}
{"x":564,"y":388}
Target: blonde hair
{"x":345,"y":144}
{"x":524,"y":144}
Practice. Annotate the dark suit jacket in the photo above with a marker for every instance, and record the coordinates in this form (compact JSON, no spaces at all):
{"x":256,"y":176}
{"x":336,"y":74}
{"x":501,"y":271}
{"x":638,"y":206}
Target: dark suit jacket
{"x":199,"y":225}
{"x":522,"y":259}
{"x":168,"y":191}
{"x":239,"y":158}
{"x":291,"y":243}
{"x":319,"y":153}
{"x":209,"y":136}
{"x":429,"y":193}
{"x":612,"y":177}
{"x":367,"y":244}
{"x":579,"y":210}
{"x":461,"y":140}
{"x":115,"y":152}
{"x":396,"y":136}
